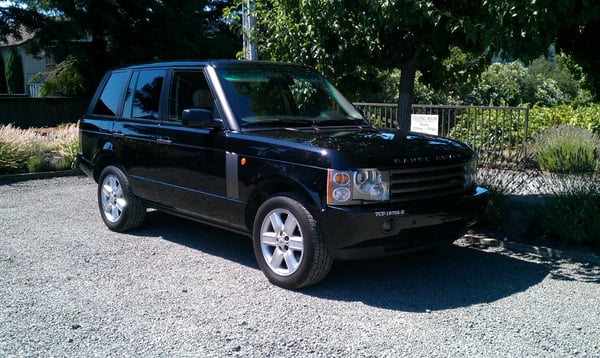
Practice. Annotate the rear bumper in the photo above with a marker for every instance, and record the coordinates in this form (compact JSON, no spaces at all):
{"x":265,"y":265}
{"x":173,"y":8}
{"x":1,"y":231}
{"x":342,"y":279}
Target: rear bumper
{"x":367,"y":232}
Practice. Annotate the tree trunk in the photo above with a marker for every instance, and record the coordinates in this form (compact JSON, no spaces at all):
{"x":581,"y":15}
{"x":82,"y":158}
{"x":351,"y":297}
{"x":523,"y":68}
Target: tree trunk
{"x":408,"y":70}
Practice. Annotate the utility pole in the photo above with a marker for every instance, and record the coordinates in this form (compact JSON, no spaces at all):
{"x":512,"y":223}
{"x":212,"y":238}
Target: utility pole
{"x":248,"y":28}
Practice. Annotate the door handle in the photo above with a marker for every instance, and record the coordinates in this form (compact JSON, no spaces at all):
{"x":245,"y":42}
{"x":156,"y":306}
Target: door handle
{"x":118,"y":134}
{"x":165,"y":140}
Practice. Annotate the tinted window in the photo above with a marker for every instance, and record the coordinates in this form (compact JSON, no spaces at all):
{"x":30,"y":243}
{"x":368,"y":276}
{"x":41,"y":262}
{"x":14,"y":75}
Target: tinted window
{"x":145,"y":87}
{"x":108,"y":103}
{"x":189,"y":89}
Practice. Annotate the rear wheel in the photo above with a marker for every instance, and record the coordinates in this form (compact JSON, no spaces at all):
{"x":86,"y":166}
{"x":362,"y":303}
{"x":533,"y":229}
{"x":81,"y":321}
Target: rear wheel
{"x":288,"y":245}
{"x":120,"y":209}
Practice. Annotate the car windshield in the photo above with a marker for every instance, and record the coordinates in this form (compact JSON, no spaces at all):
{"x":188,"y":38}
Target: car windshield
{"x":285,"y":96}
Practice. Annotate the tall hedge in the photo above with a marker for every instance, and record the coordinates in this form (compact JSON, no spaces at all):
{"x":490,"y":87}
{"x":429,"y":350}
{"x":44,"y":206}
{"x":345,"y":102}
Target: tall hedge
{"x":14,"y":74}
{"x":3,"y":88}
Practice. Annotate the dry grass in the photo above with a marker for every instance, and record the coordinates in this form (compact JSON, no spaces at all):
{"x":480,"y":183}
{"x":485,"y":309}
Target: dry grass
{"x":37,"y":149}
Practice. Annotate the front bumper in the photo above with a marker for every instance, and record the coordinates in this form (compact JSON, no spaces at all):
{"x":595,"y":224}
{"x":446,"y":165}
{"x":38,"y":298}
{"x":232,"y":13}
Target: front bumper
{"x":357,"y":232}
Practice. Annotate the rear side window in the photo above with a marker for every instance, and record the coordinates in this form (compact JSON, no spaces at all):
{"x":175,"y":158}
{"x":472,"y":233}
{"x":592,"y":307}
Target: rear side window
{"x":108,"y":103}
{"x":143,"y":94}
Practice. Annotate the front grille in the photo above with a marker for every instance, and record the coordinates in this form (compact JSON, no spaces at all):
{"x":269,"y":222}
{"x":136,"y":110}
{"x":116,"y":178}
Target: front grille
{"x":413,"y":184}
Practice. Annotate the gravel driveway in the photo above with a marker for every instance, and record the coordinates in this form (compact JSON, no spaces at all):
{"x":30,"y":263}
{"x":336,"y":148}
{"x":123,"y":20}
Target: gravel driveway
{"x":71,"y":288}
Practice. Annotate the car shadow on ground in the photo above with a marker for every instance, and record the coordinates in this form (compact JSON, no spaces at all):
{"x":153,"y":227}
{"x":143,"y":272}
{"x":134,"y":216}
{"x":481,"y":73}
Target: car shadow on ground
{"x":198,"y":236}
{"x":444,"y":278}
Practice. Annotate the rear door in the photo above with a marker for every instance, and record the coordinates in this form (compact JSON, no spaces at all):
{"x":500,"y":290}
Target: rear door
{"x":135,"y":131}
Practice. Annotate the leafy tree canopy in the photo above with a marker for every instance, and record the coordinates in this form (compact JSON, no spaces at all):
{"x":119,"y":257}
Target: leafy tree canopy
{"x":124,"y":31}
{"x":350,"y":40}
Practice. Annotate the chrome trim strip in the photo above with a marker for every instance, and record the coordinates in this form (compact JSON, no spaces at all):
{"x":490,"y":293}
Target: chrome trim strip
{"x":212,"y":195}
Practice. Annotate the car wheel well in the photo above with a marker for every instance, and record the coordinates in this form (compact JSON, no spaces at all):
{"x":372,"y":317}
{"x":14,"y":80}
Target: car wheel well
{"x":265,"y":191}
{"x":101,"y":163}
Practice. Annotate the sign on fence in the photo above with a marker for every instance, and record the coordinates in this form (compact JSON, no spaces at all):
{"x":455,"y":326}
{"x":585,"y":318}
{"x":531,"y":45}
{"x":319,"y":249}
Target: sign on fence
{"x":424,"y":123}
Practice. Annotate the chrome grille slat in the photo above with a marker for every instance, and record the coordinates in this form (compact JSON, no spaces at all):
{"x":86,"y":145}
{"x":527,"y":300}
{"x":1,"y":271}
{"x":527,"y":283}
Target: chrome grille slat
{"x":412,"y":184}
{"x":420,"y":179}
{"x":422,"y":188}
{"x":432,"y":168}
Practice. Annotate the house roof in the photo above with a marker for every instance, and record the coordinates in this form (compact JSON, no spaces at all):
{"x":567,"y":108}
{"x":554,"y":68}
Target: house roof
{"x":12,"y":41}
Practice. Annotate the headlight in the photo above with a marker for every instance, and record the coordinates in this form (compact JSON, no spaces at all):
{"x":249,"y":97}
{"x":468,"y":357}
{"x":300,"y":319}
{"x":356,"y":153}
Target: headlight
{"x":470,"y":173}
{"x":359,"y":186}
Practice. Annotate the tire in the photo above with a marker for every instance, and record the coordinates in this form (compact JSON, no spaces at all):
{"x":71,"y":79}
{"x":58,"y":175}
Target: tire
{"x":119,"y":208}
{"x":288,"y":245}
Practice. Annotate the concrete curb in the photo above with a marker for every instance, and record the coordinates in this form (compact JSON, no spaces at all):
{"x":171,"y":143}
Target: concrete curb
{"x":15,"y":178}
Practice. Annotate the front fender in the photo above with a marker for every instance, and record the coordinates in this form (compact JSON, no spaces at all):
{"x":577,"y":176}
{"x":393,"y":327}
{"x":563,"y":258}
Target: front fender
{"x":275,"y":178}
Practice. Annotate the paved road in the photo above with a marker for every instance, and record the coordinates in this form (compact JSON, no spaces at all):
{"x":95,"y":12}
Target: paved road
{"x":71,"y":288}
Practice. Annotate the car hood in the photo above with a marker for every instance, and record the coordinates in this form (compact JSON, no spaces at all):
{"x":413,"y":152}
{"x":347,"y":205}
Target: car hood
{"x":368,"y":147}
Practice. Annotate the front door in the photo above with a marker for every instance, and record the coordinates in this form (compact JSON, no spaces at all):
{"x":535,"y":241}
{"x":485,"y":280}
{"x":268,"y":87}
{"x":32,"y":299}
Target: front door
{"x":193,"y":159}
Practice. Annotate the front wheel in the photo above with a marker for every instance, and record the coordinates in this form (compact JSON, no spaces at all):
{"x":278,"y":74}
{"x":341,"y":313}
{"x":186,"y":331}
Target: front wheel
{"x":120,"y":209}
{"x":288,"y":245}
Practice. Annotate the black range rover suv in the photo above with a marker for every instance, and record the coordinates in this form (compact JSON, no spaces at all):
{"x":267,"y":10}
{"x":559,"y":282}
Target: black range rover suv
{"x":275,"y":152}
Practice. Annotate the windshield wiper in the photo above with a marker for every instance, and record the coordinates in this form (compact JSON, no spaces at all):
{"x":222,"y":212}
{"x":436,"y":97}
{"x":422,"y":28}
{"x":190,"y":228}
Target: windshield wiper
{"x":348,"y":121}
{"x":279,"y":122}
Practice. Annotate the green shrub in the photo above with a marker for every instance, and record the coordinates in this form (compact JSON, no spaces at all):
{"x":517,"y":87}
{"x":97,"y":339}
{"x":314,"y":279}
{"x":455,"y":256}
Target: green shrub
{"x":65,"y":80}
{"x":34,"y":164}
{"x":542,"y":83}
{"x":9,"y":159}
{"x":67,"y":151}
{"x":587,"y":117}
{"x":566,"y":149}
{"x":32,"y":150}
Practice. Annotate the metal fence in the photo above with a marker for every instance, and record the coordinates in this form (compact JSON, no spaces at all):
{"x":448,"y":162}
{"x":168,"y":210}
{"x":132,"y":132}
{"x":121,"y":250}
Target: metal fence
{"x":496,"y":133}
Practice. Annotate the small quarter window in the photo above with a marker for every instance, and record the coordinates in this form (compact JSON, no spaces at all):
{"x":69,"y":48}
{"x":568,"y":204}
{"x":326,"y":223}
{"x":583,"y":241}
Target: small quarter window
{"x":108,"y":103}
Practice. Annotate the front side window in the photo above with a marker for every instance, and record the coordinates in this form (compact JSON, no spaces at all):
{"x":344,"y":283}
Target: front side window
{"x":189,"y":89}
{"x":143,"y":94}
{"x":108,"y":103}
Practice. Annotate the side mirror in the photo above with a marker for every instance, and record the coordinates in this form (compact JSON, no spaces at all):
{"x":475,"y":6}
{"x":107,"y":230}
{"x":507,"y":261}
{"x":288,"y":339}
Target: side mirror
{"x":198,"y":118}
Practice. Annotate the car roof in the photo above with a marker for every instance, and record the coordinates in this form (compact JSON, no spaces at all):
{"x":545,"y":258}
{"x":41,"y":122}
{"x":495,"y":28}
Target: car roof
{"x":213,"y":63}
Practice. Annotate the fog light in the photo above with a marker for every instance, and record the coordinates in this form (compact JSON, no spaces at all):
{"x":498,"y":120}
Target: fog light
{"x":388,"y":226}
{"x":341,"y":194}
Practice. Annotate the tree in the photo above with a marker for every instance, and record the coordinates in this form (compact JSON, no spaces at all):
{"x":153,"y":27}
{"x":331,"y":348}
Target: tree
{"x":64,"y":80}
{"x":348,"y":41}
{"x":122,"y":32}
{"x":573,"y":26}
{"x":15,"y":82}
{"x":580,"y":42}
{"x":3,"y":88}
